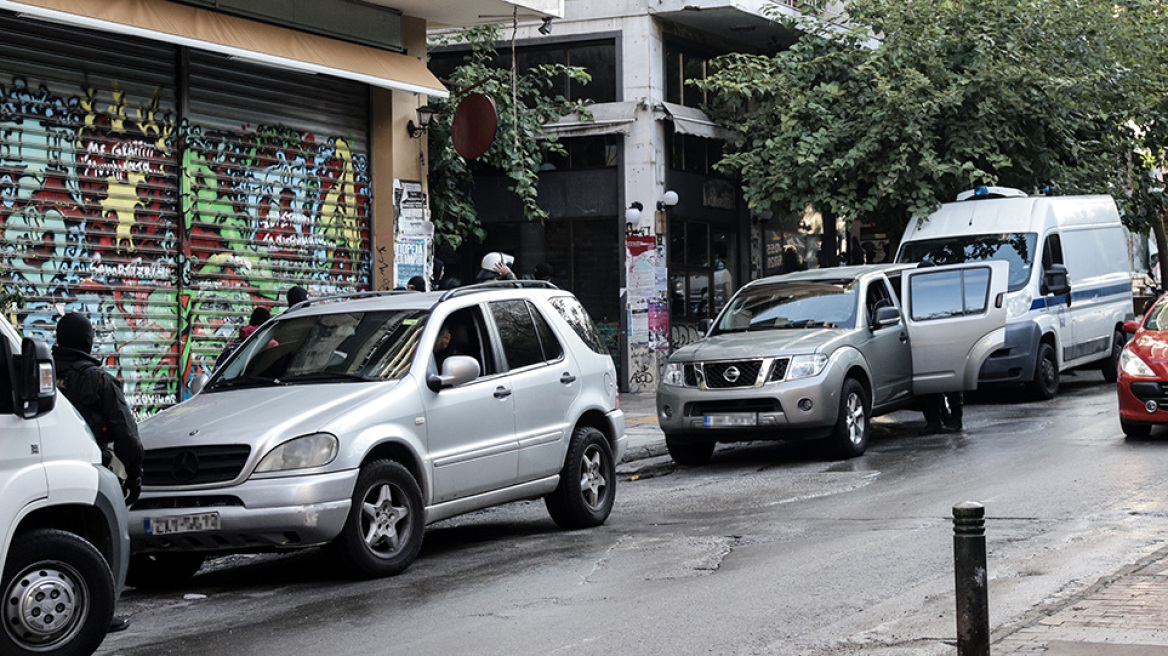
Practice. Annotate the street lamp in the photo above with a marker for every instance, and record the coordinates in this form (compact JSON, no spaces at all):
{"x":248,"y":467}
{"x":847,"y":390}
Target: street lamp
{"x":425,"y":113}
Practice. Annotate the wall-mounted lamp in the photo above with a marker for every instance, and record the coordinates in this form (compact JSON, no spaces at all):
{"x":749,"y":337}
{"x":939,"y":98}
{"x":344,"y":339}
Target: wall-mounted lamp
{"x":425,"y":113}
{"x":546,"y":28}
{"x":668,"y":200}
{"x":633,"y":214}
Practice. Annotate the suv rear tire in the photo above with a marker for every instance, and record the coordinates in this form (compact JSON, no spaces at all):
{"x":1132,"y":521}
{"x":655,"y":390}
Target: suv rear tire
{"x":383,"y":533}
{"x":587,"y":488}
{"x":75,"y":574}
{"x":163,"y":571}
{"x":692,"y":454}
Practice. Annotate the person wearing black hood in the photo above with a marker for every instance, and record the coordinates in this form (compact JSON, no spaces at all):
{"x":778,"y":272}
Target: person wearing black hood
{"x":98,"y":397}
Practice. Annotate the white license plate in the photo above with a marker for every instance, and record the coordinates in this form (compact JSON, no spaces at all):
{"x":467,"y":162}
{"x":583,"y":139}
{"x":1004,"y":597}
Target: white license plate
{"x":182,"y":523}
{"x":731,"y":420}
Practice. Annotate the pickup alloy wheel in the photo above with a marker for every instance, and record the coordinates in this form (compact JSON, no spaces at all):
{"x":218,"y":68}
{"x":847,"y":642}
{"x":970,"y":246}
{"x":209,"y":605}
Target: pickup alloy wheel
{"x":58,"y":595}
{"x":849,"y":437}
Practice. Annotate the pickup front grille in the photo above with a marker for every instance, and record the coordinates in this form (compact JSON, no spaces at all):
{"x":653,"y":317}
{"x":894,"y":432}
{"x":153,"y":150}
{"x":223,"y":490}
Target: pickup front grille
{"x":192,"y":465}
{"x":733,"y":374}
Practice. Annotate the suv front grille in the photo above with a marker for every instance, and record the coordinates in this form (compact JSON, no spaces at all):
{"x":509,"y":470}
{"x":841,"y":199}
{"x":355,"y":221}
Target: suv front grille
{"x":192,"y":465}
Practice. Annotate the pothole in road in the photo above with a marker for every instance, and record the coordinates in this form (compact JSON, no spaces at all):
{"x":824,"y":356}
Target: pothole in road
{"x":663,"y":558}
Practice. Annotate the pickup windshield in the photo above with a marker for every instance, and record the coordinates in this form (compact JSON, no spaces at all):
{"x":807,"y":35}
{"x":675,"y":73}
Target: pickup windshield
{"x":791,"y":305}
{"x":325,"y":348}
{"x":1017,"y":248}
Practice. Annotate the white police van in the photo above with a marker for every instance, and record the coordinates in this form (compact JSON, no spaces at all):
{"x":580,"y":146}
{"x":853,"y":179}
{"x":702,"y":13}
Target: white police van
{"x":1070,"y":277}
{"x":64,"y":546}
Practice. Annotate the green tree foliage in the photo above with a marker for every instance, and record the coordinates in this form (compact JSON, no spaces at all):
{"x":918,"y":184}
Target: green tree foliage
{"x":10,"y":299}
{"x":916,"y":100}
{"x":524,"y":102}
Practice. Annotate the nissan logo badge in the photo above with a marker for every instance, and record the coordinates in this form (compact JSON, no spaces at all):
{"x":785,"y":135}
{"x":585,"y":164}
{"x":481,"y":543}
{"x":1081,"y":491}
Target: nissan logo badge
{"x":731,"y":374}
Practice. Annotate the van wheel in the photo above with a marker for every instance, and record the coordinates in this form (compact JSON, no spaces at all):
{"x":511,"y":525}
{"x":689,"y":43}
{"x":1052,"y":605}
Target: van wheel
{"x":58,"y":595}
{"x":383,"y":533}
{"x":692,"y":454}
{"x":1110,"y":366}
{"x":1132,"y":429}
{"x":1046,"y":374}
{"x":587,"y":488}
{"x":163,"y":571}
{"x":849,"y":437}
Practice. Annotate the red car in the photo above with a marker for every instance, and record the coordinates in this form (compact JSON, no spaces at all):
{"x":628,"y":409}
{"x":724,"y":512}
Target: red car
{"x":1143,"y":372}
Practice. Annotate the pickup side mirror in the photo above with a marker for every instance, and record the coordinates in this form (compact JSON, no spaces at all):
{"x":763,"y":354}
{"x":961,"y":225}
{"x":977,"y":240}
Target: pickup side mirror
{"x":705,"y":325}
{"x":456,"y":370}
{"x":36,"y":380}
{"x":885,"y":316}
{"x":1055,"y":281}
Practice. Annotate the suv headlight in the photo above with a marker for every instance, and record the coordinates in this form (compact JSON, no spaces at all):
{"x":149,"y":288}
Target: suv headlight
{"x":805,"y":366}
{"x":1018,"y":304}
{"x":300,"y":453}
{"x":1132,"y":365}
{"x":674,"y":375}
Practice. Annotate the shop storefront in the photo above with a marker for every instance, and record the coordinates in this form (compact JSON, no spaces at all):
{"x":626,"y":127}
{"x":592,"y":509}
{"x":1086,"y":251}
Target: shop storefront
{"x":166,"y":190}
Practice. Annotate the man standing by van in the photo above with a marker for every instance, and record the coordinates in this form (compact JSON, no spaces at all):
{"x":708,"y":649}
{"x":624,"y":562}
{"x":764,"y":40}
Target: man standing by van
{"x":98,"y":397}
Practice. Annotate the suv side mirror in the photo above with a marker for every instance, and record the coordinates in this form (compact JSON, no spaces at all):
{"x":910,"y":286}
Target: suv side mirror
{"x":456,"y":370}
{"x":1055,"y":281}
{"x":886,"y":316}
{"x":36,"y":380}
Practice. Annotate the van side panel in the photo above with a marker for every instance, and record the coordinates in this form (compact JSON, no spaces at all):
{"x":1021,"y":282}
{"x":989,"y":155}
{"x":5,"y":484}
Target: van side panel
{"x":1101,"y":295}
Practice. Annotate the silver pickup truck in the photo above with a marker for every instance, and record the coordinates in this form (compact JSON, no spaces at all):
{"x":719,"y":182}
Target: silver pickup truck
{"x":817,"y":354}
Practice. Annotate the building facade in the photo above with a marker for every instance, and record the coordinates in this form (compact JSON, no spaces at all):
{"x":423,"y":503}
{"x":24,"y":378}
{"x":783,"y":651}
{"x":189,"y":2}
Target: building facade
{"x":167,"y":166}
{"x":642,"y":226}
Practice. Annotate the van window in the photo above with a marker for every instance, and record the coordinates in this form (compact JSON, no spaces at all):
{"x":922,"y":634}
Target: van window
{"x":7,"y":405}
{"x":1052,"y":251}
{"x":1017,"y":248}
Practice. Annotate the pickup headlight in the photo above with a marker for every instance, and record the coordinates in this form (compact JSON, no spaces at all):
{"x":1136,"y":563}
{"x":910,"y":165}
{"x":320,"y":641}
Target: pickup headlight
{"x":300,"y":453}
{"x":1018,"y":304}
{"x":805,"y":366}
{"x":674,"y":375}
{"x":1132,"y":365}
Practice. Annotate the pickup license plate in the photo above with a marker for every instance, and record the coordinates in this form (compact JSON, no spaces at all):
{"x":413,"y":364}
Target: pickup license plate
{"x":182,"y":523}
{"x":731,"y":420}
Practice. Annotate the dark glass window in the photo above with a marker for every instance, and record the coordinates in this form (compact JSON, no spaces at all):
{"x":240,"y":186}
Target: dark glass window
{"x":6,"y":403}
{"x":694,"y":154}
{"x":521,"y":344}
{"x":682,"y":64}
{"x":577,"y":317}
{"x":552,"y":350}
{"x":597,"y":57}
{"x":947,"y":294}
{"x":584,"y":153}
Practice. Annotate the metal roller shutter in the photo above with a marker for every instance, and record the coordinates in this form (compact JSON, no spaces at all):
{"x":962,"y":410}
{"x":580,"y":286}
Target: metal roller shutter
{"x":88,"y":194}
{"x":275,"y":193}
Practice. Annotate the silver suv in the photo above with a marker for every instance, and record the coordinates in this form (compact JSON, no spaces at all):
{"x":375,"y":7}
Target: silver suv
{"x":355,"y":422}
{"x":818,"y":353}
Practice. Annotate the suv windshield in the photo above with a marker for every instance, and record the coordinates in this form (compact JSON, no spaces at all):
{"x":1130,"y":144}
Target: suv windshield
{"x":323,"y":348}
{"x":795,"y":304}
{"x":1016,"y":248}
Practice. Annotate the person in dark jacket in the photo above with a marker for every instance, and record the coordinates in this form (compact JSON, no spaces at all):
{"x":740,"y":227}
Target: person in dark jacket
{"x":98,"y":397}
{"x":259,"y":316}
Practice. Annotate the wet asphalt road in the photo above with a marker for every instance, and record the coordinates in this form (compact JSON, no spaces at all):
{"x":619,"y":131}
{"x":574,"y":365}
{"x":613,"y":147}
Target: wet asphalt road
{"x":771,"y":549}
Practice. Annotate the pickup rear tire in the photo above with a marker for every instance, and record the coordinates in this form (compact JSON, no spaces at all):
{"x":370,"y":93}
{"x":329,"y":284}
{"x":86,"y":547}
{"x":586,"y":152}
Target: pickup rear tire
{"x":587,"y":487}
{"x":163,"y":571}
{"x":1046,"y":374}
{"x":58,"y":595}
{"x":383,"y":533}
{"x":849,"y":436}
{"x":691,"y":454}
{"x":1110,"y":366}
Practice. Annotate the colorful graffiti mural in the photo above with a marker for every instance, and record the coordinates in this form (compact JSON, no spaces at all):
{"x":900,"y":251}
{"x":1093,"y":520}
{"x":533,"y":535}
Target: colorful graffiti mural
{"x":166,"y":233}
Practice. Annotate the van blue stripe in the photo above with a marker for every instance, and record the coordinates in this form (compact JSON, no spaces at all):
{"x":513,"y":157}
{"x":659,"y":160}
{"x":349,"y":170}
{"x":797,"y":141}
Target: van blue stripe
{"x":1117,"y":289}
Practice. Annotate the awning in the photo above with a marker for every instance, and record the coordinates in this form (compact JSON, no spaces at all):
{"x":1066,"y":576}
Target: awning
{"x":184,"y":25}
{"x":688,"y":120}
{"x":607,"y":118}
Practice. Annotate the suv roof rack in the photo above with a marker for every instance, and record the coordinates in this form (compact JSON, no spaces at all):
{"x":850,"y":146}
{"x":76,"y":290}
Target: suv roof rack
{"x":349,"y":297}
{"x":497,"y":284}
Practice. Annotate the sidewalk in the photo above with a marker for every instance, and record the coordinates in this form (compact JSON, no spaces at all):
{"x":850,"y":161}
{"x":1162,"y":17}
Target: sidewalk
{"x":1125,"y":614}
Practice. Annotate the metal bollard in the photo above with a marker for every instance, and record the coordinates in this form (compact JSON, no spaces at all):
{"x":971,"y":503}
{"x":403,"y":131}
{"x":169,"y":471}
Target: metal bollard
{"x":969,"y":564}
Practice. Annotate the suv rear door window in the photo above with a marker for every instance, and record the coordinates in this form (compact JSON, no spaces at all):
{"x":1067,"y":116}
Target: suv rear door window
{"x":525,"y":335}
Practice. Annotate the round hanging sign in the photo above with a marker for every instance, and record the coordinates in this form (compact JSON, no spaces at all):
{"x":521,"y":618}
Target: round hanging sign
{"x":474,"y":125}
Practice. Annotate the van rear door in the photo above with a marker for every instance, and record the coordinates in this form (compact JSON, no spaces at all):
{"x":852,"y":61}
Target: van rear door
{"x":956,"y":317}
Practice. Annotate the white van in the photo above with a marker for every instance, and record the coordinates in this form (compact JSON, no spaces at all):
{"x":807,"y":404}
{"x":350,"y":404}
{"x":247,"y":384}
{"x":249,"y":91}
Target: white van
{"x":64,"y":545}
{"x":1070,"y":277}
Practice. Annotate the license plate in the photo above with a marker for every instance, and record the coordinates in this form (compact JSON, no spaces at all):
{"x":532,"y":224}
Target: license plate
{"x":731,"y":420}
{"x":181,"y":523}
